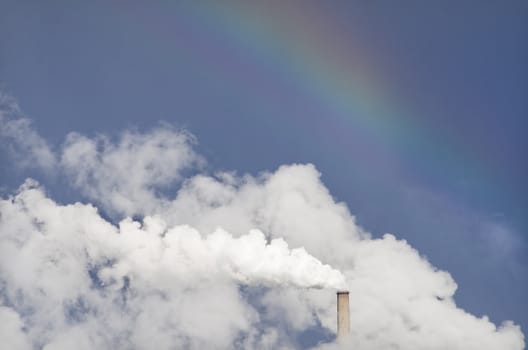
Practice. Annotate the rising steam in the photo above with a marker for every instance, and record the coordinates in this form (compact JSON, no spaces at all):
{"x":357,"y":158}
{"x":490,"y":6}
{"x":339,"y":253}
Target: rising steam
{"x":184,"y":254}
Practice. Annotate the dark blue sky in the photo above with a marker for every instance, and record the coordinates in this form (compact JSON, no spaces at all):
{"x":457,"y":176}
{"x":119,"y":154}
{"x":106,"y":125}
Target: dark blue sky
{"x":453,"y":184}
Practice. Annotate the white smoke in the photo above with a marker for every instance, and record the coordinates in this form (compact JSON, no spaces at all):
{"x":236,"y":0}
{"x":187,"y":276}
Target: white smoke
{"x":180,"y":253}
{"x":71,"y":279}
{"x":183,"y":254}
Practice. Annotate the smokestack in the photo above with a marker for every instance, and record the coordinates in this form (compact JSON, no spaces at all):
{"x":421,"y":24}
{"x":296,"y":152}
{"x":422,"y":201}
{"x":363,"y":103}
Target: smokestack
{"x":343,"y":314}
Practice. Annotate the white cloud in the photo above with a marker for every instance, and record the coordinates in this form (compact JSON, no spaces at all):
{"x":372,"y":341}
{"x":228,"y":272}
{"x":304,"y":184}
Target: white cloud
{"x":126,"y":177}
{"x":179,"y":286}
{"x":68,"y":276}
{"x":26,"y":146}
{"x":11,"y":332}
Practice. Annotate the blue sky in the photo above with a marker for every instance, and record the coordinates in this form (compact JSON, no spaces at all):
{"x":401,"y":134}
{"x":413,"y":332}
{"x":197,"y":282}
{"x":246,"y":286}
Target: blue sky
{"x":454,"y":76}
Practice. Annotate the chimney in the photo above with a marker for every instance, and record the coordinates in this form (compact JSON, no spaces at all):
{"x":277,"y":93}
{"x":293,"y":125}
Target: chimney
{"x":343,"y":314}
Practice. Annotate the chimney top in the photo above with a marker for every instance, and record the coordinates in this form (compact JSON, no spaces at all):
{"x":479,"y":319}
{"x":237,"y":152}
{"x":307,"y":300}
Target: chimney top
{"x":343,"y":314}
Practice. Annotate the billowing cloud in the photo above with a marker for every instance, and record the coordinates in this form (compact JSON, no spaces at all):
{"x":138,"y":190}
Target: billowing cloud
{"x":11,"y":332}
{"x":218,"y":261}
{"x":125,"y":177}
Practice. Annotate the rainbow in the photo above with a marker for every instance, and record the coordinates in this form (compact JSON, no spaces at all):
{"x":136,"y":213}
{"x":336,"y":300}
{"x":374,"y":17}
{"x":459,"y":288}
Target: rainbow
{"x":306,"y":49}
